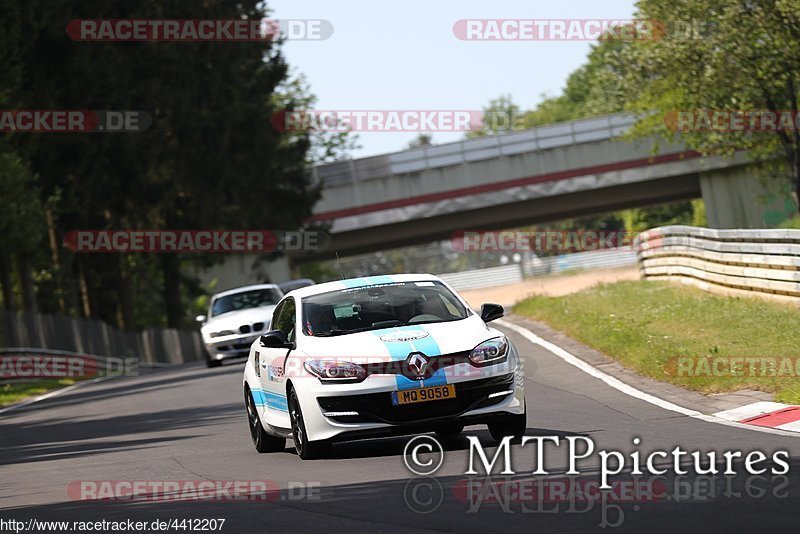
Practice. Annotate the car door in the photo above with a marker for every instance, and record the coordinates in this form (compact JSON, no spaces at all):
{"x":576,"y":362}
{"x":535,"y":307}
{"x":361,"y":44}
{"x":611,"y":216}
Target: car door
{"x":273,"y":361}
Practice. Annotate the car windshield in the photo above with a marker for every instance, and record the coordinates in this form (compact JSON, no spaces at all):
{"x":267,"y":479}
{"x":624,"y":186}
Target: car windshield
{"x":380,"y":306}
{"x":254,"y":298}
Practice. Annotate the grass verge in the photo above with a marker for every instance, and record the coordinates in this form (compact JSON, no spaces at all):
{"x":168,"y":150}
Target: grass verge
{"x":683,"y":335}
{"x":14,"y":393}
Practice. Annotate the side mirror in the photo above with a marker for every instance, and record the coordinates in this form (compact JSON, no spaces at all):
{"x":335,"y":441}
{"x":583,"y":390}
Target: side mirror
{"x":490,"y":312}
{"x":200,"y":318}
{"x":275,"y":339}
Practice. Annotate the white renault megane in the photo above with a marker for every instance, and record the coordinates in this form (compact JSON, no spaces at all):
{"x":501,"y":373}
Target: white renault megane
{"x":378,"y":356}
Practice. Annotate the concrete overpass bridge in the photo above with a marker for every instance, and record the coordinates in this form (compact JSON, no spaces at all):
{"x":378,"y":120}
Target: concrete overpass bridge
{"x":547,"y":173}
{"x":514,"y":179}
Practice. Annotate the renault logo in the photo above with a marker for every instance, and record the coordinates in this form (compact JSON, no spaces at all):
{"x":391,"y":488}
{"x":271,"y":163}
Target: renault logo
{"x":418,"y":363}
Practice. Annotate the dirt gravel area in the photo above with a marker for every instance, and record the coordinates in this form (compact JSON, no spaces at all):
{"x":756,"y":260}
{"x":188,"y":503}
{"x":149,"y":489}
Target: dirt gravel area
{"x":548,"y":285}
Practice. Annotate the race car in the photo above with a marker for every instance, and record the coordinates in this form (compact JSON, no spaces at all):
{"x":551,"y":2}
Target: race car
{"x":236,"y":318}
{"x":378,"y":356}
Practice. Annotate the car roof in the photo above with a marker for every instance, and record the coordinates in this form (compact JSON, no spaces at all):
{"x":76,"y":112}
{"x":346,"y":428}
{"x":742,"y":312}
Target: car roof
{"x":245,"y":288}
{"x":350,"y":283}
{"x":298,"y":282}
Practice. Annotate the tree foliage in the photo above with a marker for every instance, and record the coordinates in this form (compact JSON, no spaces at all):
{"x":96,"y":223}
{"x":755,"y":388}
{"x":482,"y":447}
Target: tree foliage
{"x":740,"y":55}
{"x":210,"y":159}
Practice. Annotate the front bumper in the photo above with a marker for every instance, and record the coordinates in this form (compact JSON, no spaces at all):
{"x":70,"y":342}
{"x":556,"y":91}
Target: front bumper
{"x":378,"y":407}
{"x":231,"y":346}
{"x":497,"y":392}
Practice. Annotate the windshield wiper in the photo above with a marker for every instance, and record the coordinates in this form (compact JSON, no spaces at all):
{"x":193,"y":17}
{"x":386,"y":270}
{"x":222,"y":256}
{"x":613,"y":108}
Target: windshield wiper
{"x":331,"y":333}
{"x":386,"y":324}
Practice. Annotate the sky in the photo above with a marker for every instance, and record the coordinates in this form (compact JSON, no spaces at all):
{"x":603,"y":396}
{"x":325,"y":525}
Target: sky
{"x":386,"y":55}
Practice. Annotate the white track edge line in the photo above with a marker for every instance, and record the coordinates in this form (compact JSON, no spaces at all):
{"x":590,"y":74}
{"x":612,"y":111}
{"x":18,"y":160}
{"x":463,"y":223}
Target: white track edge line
{"x":628,"y":389}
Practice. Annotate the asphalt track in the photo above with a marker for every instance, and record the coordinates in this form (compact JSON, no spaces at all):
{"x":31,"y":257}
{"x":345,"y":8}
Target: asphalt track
{"x":188,"y":423}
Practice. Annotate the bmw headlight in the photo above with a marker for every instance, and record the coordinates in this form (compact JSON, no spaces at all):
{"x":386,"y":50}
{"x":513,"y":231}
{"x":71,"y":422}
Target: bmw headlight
{"x":335,"y":371}
{"x":490,"y":352}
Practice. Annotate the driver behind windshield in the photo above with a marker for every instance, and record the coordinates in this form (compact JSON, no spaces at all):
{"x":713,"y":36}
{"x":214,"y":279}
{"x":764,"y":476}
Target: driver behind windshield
{"x":320,"y":319}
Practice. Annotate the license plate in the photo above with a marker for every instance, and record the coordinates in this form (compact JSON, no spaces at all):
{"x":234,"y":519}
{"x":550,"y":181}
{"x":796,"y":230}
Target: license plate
{"x":432,"y":393}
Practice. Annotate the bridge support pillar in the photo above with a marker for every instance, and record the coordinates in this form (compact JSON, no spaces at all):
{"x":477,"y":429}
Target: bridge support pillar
{"x":244,"y":269}
{"x":742,"y":197}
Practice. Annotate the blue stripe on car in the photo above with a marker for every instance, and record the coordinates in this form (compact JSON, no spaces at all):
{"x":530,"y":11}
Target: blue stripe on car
{"x":269,"y":399}
{"x":367,"y":281}
{"x":399,"y":351}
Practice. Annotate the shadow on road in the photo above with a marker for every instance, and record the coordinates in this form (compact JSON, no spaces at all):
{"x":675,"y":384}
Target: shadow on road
{"x":394,"y":446}
{"x":148,"y":382}
{"x":638,"y":503}
{"x":42,"y":440}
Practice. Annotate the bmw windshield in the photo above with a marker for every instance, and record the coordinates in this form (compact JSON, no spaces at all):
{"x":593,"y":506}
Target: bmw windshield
{"x":380,"y":306}
{"x":244,"y":300}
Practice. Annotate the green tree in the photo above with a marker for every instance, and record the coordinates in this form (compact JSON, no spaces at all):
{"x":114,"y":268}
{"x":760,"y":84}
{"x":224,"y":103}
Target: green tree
{"x":593,"y":89}
{"x":501,"y":115}
{"x":326,"y":146}
{"x":743,"y":55}
{"x":209,"y":160}
{"x":22,"y":229}
{"x":420,"y":140}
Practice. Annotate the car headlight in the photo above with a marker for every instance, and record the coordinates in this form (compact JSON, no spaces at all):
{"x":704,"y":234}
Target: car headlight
{"x":490,"y":352}
{"x":335,"y":371}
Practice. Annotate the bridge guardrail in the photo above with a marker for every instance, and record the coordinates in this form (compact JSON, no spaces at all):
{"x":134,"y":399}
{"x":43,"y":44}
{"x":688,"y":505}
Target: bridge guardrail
{"x":737,"y":262}
{"x":476,"y":149}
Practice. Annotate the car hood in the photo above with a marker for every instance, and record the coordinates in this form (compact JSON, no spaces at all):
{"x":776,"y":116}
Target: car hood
{"x":396,"y":343}
{"x":233,"y":320}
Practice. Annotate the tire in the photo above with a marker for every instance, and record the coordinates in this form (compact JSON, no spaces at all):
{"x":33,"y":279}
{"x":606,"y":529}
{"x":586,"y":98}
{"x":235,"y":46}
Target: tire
{"x":449,"y":430}
{"x":307,"y":450}
{"x":263,"y":441}
{"x":509,"y":425}
{"x":213,"y":363}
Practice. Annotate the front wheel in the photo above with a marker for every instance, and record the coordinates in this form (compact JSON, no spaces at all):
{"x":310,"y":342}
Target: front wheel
{"x":509,"y":425}
{"x":306,"y":449}
{"x":264,"y":442}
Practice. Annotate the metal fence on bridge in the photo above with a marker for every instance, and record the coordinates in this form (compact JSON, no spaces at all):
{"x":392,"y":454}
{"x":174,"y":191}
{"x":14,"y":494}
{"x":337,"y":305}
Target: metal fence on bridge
{"x":476,"y":149}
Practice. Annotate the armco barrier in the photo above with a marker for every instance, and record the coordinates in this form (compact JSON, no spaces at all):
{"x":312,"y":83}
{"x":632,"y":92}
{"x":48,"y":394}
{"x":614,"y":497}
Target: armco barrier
{"x":595,"y":259}
{"x":492,"y":276}
{"x":514,"y":273}
{"x":736,"y":262}
{"x":89,"y":336}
